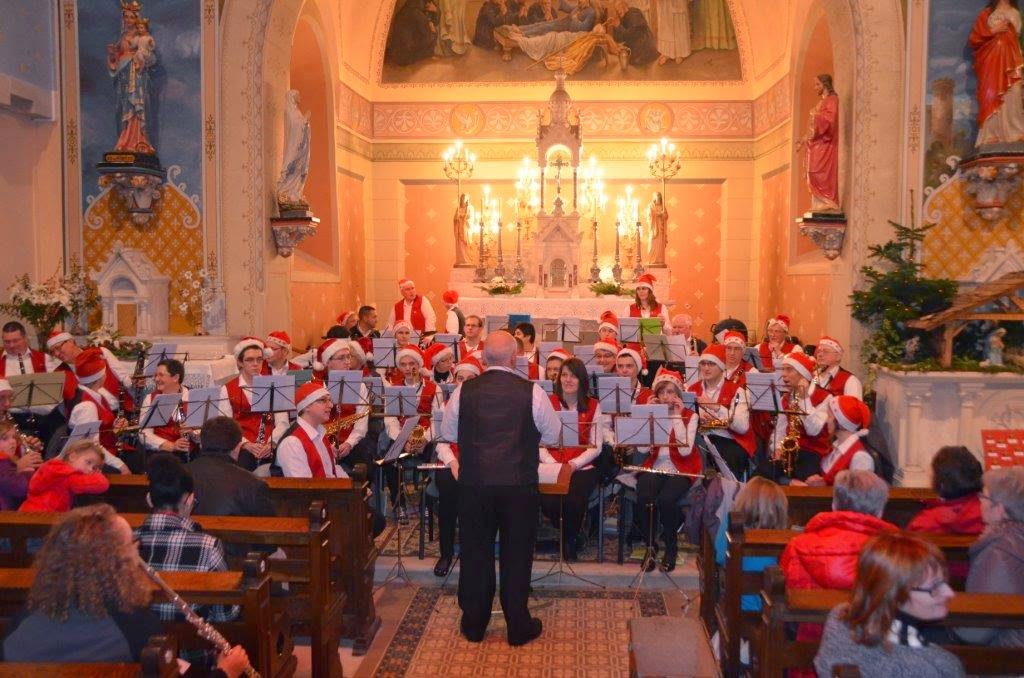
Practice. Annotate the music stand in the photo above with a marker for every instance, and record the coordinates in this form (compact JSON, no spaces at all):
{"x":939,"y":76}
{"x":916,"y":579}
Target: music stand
{"x":614,"y":394}
{"x":446,"y":392}
{"x":205,"y":404}
{"x":585,"y":353}
{"x":394,"y":455}
{"x":39,"y":389}
{"x":493,"y":323}
{"x":629,"y":330}
{"x":656,"y":349}
{"x":452,"y":342}
{"x":161,"y":410}
{"x":89,"y":429}
{"x":374,"y":391}
{"x":522,"y":366}
{"x":650,"y":327}
{"x":691,"y":369}
{"x":400,"y":401}
{"x":547,"y":385}
{"x":569,"y":330}
{"x":273,"y":393}
{"x":516,"y":319}
{"x":766,"y":389}
{"x":384,"y":351}
{"x":589,"y":337}
{"x":345,"y":387}
{"x":158,"y":353}
{"x":302,"y":376}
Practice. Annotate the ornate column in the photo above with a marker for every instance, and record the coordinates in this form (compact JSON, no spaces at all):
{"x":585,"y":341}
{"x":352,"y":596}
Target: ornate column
{"x":912,"y":471}
{"x":970,"y":395}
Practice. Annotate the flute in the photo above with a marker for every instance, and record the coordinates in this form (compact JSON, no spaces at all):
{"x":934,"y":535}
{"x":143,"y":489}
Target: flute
{"x":204,"y":628}
{"x":643,"y":469}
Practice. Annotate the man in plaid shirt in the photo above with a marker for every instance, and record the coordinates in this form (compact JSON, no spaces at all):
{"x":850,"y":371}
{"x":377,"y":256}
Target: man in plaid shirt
{"x":169,"y":540}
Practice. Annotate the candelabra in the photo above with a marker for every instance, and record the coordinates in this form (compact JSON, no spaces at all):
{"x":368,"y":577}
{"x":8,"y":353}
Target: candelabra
{"x":458,"y":164}
{"x":518,"y":273}
{"x":664,"y":161}
{"x":499,"y":269}
{"x":619,"y":216}
{"x":593,"y":202}
{"x":485,"y":204}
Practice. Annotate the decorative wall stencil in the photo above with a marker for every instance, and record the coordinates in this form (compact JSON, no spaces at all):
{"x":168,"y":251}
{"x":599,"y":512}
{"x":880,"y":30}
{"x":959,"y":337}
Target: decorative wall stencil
{"x":773,"y":107}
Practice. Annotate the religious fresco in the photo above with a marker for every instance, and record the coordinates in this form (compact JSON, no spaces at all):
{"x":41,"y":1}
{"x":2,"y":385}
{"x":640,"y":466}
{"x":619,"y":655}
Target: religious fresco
{"x":431,"y":41}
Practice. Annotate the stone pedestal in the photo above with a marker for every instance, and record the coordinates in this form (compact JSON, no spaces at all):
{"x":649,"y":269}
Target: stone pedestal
{"x":826,"y":230}
{"x":291,"y":228}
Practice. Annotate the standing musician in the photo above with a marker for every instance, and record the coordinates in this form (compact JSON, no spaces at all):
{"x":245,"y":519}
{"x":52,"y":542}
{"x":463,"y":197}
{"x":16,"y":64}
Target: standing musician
{"x":722,"y":406}
{"x":848,"y":422}
{"x":338,"y":355}
{"x":813,"y":439}
{"x":259,"y":430}
{"x":605,"y":351}
{"x":830,"y":376}
{"x":366,"y":325}
{"x":736,"y":367}
{"x":553,"y":364}
{"x":682,"y":326}
{"x":608,"y":329}
{"x":454,"y":320}
{"x":472,"y":336}
{"x":571,"y":391}
{"x":413,"y":308}
{"x":438,"y":358}
{"x":499,"y":421}
{"x":279,"y":345}
{"x":447,"y":480}
{"x":664,"y":492}
{"x":167,"y":438}
{"x":645,"y":305}
{"x":304,"y":450}
{"x":776,"y":345}
{"x":91,"y":405}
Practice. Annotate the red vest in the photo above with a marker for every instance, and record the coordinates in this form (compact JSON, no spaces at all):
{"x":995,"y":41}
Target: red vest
{"x":842,"y":463}
{"x":739,"y":377}
{"x":766,"y":355}
{"x":425,"y":404}
{"x":117,"y":389}
{"x":418,"y":320}
{"x":643,"y":395}
{"x":289,"y":367}
{"x":726,"y":396}
{"x":820,"y":444}
{"x":690,"y":463}
{"x":107,"y":438}
{"x":242,"y":412}
{"x":837,"y":384}
{"x":455,"y":450}
{"x":171,"y":431}
{"x":36,"y":358}
{"x":563,"y":455}
{"x":316,"y":465}
{"x":634,"y":311}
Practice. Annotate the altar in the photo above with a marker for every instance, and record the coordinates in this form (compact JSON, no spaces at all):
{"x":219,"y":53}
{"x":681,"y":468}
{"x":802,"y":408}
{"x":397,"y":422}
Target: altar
{"x":546,"y":307}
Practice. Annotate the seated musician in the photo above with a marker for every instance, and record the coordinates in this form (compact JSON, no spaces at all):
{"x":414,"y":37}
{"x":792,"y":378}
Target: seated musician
{"x":956,"y":479}
{"x":447,"y":480}
{"x":605,"y":351}
{"x":682,"y":326}
{"x":900,"y":588}
{"x":17,"y":358}
{"x":117,"y":381}
{"x":848,"y":421}
{"x":830,"y":376}
{"x":56,"y":483}
{"x":304,"y":450}
{"x":723,"y":410}
{"x":645,"y":304}
{"x":89,"y":406}
{"x":997,"y":557}
{"x":91,"y":604}
{"x":553,"y":364}
{"x":608,"y":329}
{"x":663,"y":491}
{"x":630,"y":363}
{"x":15,"y":469}
{"x":340,"y":355}
{"x":260,"y":430}
{"x":279,"y":347}
{"x":776,"y":344}
{"x":472,"y":340}
{"x":527,"y":333}
{"x":736,"y":367}
{"x":572,"y":392}
{"x":438,"y":359}
{"x":402,"y":332}
{"x":812,"y":438}
{"x":167,"y":438}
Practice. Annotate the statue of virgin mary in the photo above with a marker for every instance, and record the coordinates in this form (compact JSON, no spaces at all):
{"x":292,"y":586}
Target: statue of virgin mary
{"x":295,"y":159}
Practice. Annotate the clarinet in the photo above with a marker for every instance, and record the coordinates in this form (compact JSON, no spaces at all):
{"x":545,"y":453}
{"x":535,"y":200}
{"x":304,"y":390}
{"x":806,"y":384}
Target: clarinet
{"x":204,"y":628}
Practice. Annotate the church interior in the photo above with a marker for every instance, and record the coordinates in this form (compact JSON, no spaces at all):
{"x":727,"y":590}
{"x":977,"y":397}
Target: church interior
{"x":769,"y":251}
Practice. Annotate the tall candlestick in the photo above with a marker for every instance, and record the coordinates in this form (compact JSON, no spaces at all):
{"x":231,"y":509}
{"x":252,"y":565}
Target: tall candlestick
{"x":617,"y":269}
{"x":638,"y":270}
{"x":499,"y":270}
{"x":595,"y":270}
{"x":518,"y":272}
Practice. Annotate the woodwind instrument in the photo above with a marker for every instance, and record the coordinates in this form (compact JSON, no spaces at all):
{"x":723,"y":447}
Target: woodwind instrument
{"x":205,"y":629}
{"x":628,"y":468}
{"x":332,"y":427}
{"x":790,"y":445}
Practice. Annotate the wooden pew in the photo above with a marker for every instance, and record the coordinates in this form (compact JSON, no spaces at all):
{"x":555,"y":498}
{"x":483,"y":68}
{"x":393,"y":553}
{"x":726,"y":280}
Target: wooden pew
{"x":904,"y":503}
{"x":158,"y":660}
{"x":315,"y":601}
{"x":733,"y":623}
{"x":269,"y":644}
{"x":784,"y":606}
{"x":353,"y":551}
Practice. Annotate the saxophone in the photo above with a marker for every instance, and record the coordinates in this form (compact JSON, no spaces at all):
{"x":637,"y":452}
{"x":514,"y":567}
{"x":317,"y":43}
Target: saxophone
{"x":333,"y":427}
{"x":790,"y":445}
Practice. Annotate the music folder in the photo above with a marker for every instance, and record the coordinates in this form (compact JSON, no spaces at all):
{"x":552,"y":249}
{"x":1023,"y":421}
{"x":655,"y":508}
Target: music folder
{"x":205,"y":404}
{"x":516,"y":319}
{"x":766,"y":389}
{"x":345,"y":387}
{"x":649,"y":326}
{"x":272,"y":393}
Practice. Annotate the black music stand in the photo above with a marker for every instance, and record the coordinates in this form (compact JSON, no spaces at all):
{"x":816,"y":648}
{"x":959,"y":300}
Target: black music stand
{"x":395,"y":455}
{"x":39,"y":389}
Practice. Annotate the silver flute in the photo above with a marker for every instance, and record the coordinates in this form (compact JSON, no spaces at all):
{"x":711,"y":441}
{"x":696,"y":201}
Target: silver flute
{"x":643,"y":469}
{"x":204,"y":628}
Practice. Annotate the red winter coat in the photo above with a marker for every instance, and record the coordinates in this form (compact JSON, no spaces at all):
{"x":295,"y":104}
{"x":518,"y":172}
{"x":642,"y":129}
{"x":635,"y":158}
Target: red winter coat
{"x":825,"y":555}
{"x":54,"y":485}
{"x":953,"y":516}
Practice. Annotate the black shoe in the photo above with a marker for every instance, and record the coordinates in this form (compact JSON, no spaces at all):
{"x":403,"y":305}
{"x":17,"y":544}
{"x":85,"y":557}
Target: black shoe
{"x":533,"y":632}
{"x":471,"y":635}
{"x":668,"y":562}
{"x":443,"y":566}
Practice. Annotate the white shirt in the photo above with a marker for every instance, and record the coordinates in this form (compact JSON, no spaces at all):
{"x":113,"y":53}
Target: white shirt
{"x":392,"y":426}
{"x":451,"y":321}
{"x":85,"y":412}
{"x":14,"y":369}
{"x":589,"y":454}
{"x":360,"y":427}
{"x":685,"y":432}
{"x":665,"y":321}
{"x":813,"y":421}
{"x":852,"y":387}
{"x":429,"y":317}
{"x":291,"y":455}
{"x":861,"y":461}
{"x":115,"y":366}
{"x":148,"y":436}
{"x":544,"y":417}
{"x":738,"y":411}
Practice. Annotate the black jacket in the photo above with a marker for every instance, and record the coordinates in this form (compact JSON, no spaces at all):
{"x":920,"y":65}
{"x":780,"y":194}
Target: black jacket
{"x":223,"y":488}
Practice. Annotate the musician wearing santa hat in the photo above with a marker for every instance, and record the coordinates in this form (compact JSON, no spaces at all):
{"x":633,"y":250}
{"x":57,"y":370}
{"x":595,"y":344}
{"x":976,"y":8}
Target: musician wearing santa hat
{"x":336,"y":355}
{"x":402,"y":331}
{"x":347,"y":319}
{"x":259,"y":430}
{"x":662,"y":491}
{"x":736,"y":367}
{"x":724,"y":413}
{"x":454,"y":321}
{"x":645,"y":305}
{"x":305,"y":451}
{"x":631,"y":363}
{"x":830,"y":376}
{"x":605,"y":351}
{"x":63,"y":347}
{"x":18,"y":358}
{"x":813,"y":437}
{"x":608,"y":329}
{"x":91,"y":404}
{"x":412,"y":308}
{"x":279,"y":347}
{"x":848,"y":422}
{"x":776,"y":344}
{"x":438,"y":359}
{"x":553,"y":363}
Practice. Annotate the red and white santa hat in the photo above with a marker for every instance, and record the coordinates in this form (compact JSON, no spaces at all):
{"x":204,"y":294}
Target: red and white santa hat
{"x":402,"y":323}
{"x":779,"y":321}
{"x":327,"y":349}
{"x":609,"y":320}
{"x":851,"y":414}
{"x":714,"y":354}
{"x":56,"y":338}
{"x":366,"y":343}
{"x":802,"y":363}
{"x":469,"y":364}
{"x":344,"y":317}
{"x":668,"y":375}
{"x":410,"y":351}
{"x":405,"y":281}
{"x":309,"y":393}
{"x":247,"y":342}
{"x":90,"y":365}
{"x":279,"y":339}
{"x":450,"y":297}
{"x":829,"y":342}
{"x":609,"y":345}
{"x":637,"y":356}
{"x":559,"y":354}
{"x":646,"y":280}
{"x":5,"y":386}
{"x":357,"y":350}
{"x":435,"y":353}
{"x":733,"y":338}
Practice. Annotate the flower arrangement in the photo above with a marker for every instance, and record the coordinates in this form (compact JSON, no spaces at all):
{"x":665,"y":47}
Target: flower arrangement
{"x":85,"y":298}
{"x":498,"y":285}
{"x":192,"y":294}
{"x":613,"y":288}
{"x":125,"y":349}
{"x":42,"y":305}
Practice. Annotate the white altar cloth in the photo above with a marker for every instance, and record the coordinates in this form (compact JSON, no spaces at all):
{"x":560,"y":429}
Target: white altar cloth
{"x":549,"y":307}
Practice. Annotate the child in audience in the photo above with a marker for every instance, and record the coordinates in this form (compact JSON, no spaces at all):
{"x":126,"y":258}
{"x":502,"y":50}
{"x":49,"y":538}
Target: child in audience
{"x":15,"y":469}
{"x":55,"y":484}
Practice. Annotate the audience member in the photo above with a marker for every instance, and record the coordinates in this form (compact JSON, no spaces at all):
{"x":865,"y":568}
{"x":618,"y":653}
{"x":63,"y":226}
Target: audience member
{"x":900,"y":587}
{"x":55,"y":484}
{"x":956,"y":478}
{"x":15,"y":469}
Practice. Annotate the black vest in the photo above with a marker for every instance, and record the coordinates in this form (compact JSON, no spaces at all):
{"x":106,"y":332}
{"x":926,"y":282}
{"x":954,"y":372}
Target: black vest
{"x":498,"y":439}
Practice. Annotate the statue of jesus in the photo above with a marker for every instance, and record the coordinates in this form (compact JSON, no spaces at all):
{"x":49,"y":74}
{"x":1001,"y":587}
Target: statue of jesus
{"x":822,"y":142}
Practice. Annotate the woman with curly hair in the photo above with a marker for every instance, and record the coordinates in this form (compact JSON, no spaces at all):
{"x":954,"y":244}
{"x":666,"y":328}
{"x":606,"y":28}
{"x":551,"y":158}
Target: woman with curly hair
{"x":90,"y":599}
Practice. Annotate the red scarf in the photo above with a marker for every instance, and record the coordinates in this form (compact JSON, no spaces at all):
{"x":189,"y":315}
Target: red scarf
{"x":316,"y":465}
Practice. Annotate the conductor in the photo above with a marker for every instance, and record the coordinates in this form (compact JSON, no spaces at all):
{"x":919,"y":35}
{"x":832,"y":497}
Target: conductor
{"x":499,"y":420}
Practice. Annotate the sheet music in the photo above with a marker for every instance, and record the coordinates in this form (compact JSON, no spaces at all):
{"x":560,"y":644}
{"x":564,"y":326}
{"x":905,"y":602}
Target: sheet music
{"x":570,"y":330}
{"x":766,"y":389}
{"x":400,"y":401}
{"x":384,"y":349}
{"x":629,"y":330}
{"x":677,"y":348}
{"x":343,"y":385}
{"x":204,"y":404}
{"x":272,"y":393}
{"x":647,"y":425}
{"x":161,"y":410}
{"x":570,"y":420}
{"x":615,"y":394}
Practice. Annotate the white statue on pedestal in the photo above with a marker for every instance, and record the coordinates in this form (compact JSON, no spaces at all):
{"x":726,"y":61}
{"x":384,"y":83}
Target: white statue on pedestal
{"x":295,"y":159}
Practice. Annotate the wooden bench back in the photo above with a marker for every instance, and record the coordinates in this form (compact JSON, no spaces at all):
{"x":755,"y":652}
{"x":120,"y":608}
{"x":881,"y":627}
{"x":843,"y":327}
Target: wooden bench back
{"x":158,"y":660}
{"x":904,"y":503}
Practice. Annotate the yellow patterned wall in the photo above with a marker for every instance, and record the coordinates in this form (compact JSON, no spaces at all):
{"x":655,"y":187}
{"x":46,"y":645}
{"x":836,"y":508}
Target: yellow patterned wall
{"x":173,"y":240}
{"x":960,"y":240}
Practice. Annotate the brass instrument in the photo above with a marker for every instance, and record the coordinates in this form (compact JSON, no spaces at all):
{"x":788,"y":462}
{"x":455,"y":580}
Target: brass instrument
{"x":706,"y":425}
{"x":332,"y":427}
{"x":204,"y":629}
{"x":790,"y":445}
{"x":28,"y":443}
{"x":418,"y":439}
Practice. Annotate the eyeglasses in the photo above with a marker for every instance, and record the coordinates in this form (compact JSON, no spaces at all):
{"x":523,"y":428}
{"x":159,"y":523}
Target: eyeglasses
{"x":934,"y":590}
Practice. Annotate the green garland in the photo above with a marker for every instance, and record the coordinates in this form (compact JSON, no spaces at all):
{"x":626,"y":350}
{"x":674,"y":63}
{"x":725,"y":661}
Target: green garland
{"x":612,"y":288}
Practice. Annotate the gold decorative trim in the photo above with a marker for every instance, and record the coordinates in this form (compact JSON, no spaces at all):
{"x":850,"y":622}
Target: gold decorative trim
{"x":211,"y":137}
{"x":210,"y":11}
{"x":613,"y":150}
{"x":69,"y":15}
{"x":71,"y":140}
{"x":914,"y":128}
